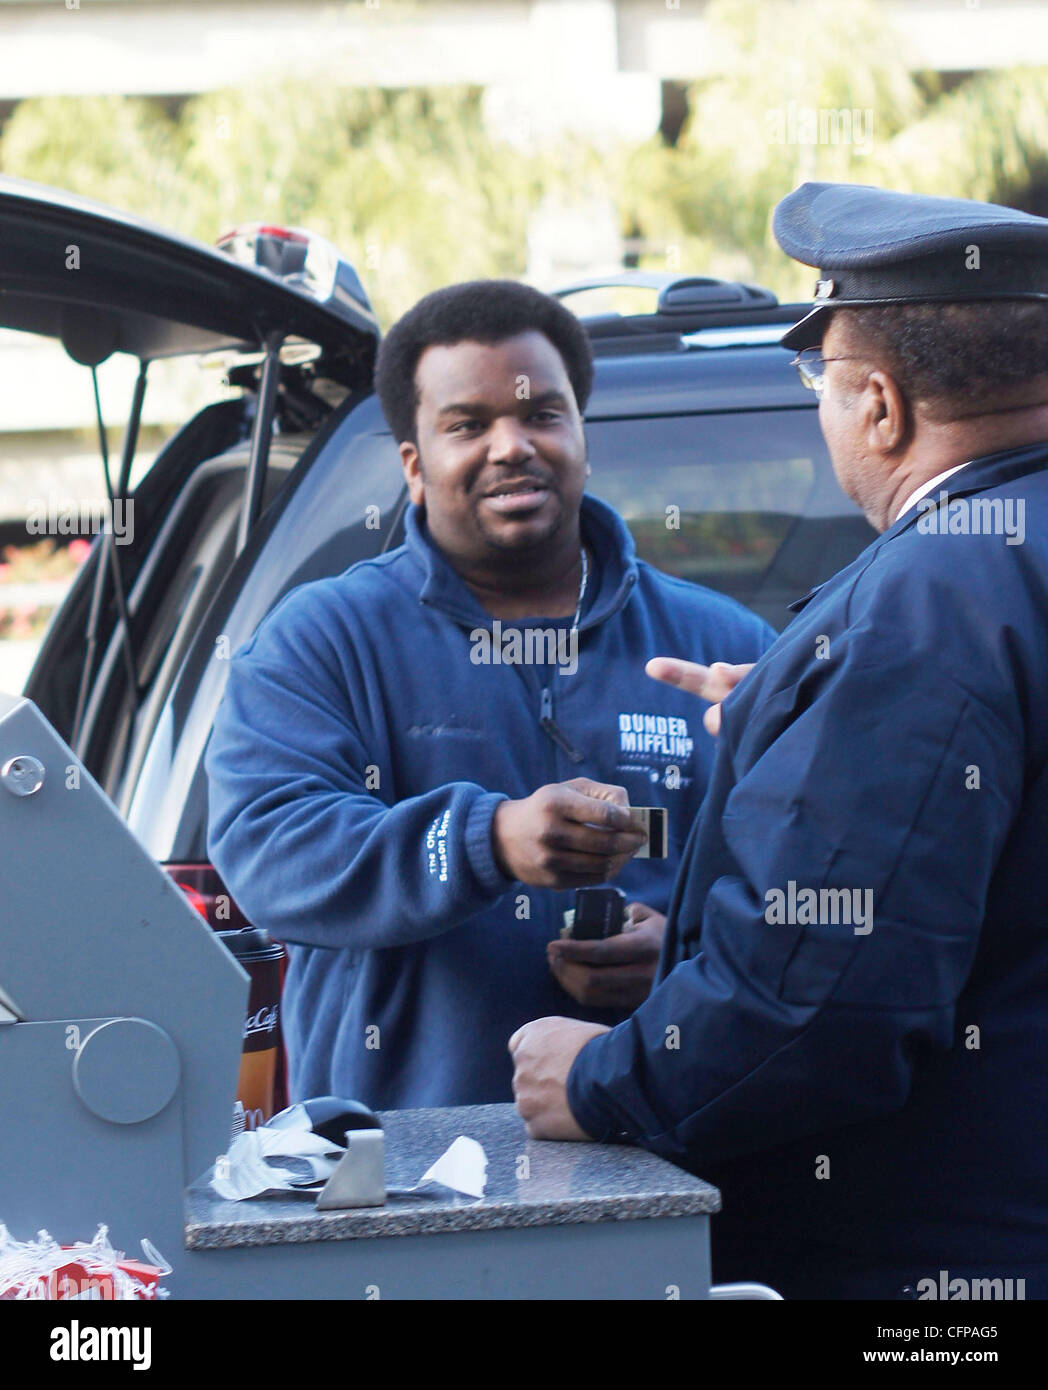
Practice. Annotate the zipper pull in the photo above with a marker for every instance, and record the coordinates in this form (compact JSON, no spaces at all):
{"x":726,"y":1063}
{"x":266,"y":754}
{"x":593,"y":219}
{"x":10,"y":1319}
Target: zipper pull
{"x":549,"y":726}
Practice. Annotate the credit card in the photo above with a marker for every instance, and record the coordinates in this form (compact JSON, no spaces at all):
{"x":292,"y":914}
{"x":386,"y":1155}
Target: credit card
{"x":652,"y":820}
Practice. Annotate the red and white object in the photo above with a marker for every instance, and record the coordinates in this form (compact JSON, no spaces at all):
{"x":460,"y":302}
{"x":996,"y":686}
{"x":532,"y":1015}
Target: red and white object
{"x":42,"y":1269}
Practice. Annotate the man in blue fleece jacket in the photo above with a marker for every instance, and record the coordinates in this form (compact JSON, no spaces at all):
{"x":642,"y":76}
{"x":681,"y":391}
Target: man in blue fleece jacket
{"x":417,"y":760}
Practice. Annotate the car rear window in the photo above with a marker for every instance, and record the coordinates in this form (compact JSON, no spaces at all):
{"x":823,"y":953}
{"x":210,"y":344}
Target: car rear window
{"x":746,"y":504}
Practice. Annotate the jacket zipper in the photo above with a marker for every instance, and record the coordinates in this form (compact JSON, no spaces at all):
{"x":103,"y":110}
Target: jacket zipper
{"x":553,"y":730}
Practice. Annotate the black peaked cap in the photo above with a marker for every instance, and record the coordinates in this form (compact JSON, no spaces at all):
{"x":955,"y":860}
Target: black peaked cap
{"x":874,"y":246}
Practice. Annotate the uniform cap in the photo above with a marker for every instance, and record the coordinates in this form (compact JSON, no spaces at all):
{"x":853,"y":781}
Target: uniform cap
{"x":873,"y":246}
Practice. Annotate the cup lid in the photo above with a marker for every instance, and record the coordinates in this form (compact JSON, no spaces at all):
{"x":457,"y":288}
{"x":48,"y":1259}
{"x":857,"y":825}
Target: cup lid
{"x":249,"y":941}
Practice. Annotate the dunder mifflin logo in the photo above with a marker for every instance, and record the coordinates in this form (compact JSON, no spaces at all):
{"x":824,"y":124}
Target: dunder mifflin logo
{"x":664,"y":734}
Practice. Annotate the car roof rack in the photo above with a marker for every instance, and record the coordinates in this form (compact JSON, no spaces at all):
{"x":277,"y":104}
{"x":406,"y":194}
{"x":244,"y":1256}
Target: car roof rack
{"x":685,"y":305}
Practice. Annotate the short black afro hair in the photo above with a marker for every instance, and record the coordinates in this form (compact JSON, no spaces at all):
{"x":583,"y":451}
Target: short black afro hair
{"x":482,"y":311}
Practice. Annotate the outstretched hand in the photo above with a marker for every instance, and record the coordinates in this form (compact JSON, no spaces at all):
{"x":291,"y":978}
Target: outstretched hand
{"x":711,"y":683}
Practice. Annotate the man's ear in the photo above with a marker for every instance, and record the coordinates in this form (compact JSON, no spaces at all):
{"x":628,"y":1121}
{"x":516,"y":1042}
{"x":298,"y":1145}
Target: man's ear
{"x":888,"y":418}
{"x":412,"y":466}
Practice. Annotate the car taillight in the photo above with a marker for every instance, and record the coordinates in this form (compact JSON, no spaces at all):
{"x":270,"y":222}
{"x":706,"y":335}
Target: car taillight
{"x":299,"y":258}
{"x":255,"y":229}
{"x":196,"y":899}
{"x":208,"y":894}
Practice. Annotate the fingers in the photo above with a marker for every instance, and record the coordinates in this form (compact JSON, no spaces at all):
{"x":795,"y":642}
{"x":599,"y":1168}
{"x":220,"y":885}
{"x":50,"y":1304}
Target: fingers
{"x":574,"y":870}
{"x":618,"y":987}
{"x":569,"y":850}
{"x":687,"y":675}
{"x":624,"y":949}
{"x":711,"y":683}
{"x":608,"y":820}
{"x":536,"y":1028}
{"x":565,"y":835}
{"x":587,"y":839}
{"x":612,"y":803}
{"x":602,"y":791}
{"x":616,"y":972}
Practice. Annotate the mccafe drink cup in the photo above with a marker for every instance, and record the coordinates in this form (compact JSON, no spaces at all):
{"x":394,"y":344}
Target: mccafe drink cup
{"x":260,"y":956}
{"x":261,"y":1086}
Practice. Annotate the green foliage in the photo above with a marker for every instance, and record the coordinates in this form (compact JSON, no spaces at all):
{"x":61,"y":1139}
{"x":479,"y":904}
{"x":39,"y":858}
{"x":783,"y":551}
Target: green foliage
{"x":743,"y":146}
{"x":823,"y":53}
{"x":987,"y":139}
{"x":406,"y":183}
{"x":120,"y":150}
{"x":412,"y":187}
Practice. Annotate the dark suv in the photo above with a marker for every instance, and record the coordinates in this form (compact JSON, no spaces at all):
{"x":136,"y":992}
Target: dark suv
{"x":700,"y":434}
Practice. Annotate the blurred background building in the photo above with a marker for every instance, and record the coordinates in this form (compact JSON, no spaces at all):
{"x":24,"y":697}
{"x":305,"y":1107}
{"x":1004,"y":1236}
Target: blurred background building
{"x":599,"y":62}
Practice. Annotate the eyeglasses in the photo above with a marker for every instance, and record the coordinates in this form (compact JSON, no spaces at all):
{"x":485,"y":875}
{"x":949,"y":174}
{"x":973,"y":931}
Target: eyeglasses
{"x":810,"y":364}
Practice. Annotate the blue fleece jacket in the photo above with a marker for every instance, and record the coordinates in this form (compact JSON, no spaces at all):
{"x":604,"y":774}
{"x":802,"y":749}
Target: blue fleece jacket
{"x":365,"y":738}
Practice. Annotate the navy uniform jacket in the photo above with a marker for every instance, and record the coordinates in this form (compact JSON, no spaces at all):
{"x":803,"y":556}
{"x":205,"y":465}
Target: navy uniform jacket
{"x":871,"y":1098}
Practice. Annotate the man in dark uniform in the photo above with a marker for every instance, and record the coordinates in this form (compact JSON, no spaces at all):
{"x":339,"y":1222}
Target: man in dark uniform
{"x":849,"y":1033}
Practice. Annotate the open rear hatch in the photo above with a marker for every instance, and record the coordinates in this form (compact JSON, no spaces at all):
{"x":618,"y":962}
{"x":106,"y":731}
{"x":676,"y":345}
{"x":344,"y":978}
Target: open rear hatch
{"x":287,"y":309}
{"x":102,"y":281}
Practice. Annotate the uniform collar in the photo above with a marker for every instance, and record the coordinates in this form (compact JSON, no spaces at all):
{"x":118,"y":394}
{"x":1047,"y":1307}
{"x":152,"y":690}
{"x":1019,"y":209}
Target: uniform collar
{"x":930,"y":486}
{"x":603,"y":530}
{"x":978,"y":475}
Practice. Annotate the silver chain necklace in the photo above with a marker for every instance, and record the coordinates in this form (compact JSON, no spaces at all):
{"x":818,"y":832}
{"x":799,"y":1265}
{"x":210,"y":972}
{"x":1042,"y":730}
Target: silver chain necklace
{"x":582,"y":589}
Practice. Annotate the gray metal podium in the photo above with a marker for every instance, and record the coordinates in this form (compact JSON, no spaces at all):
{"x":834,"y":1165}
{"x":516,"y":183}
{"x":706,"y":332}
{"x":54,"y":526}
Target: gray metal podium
{"x":121,"y":1020}
{"x":120,"y":1052}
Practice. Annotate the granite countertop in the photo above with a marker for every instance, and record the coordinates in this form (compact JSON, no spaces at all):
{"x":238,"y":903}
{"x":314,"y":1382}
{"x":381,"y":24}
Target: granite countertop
{"x":529,"y":1183}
